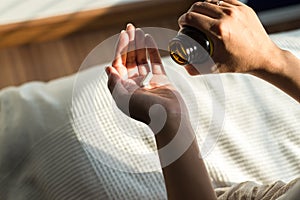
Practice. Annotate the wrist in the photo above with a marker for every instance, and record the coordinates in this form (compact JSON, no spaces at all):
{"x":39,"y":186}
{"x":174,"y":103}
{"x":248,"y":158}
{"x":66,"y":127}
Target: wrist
{"x":283,"y":71}
{"x":282,"y":62}
{"x":174,"y":121}
{"x":274,"y":61}
{"x":175,"y":124}
{"x":290,"y":67}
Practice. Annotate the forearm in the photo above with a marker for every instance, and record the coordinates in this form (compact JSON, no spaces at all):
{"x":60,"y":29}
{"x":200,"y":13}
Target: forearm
{"x":185,"y":176}
{"x":292,"y":72}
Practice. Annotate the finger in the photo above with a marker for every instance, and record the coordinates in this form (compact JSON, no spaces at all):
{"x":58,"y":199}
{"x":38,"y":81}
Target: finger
{"x":220,"y":3}
{"x":208,"y":9}
{"x":141,"y":59}
{"x":114,"y":81}
{"x":199,"y":21}
{"x":156,"y":64}
{"x":191,"y":70}
{"x":120,"y":54}
{"x":131,"y":56}
{"x":233,"y":2}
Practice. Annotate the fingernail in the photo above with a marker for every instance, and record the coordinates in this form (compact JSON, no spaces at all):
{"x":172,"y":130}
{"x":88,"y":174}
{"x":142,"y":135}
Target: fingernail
{"x":107,"y":70}
{"x":139,"y":30}
{"x":182,"y":19}
{"x":147,"y":36}
{"x":213,"y":68}
{"x":123,"y":31}
{"x":129,"y":24}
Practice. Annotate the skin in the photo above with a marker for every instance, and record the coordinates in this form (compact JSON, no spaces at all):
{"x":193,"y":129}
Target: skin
{"x":186,"y":177}
{"x":240,"y":45}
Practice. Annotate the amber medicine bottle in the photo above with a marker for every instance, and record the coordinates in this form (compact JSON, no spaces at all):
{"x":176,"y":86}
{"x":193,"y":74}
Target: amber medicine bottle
{"x":190,"y":46}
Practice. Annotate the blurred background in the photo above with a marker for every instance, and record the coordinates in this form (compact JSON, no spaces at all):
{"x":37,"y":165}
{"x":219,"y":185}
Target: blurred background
{"x":44,"y":40}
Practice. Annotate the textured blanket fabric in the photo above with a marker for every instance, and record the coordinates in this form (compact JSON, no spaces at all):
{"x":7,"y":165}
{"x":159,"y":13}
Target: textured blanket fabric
{"x":252,"y":190}
{"x":64,"y":140}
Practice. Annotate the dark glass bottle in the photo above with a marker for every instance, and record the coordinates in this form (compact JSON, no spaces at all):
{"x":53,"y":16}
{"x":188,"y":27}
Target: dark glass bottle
{"x":190,"y":46}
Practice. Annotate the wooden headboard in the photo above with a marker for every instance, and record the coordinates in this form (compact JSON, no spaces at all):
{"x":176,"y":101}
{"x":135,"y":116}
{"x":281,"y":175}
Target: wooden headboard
{"x":47,"y":48}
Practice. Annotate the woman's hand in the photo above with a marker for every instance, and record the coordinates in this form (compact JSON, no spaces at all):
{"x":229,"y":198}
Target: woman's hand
{"x":185,"y":174}
{"x":127,"y":73}
{"x":239,"y":39}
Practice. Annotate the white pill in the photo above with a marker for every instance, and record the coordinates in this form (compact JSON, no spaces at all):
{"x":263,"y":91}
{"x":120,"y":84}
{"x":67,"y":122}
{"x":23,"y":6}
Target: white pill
{"x":147,"y":80}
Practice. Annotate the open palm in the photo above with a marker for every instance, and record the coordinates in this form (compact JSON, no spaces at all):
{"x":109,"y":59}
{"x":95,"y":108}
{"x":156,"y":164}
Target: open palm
{"x":129,"y":69}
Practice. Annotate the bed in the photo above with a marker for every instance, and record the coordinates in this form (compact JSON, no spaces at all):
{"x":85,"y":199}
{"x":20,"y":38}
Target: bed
{"x":64,"y":139}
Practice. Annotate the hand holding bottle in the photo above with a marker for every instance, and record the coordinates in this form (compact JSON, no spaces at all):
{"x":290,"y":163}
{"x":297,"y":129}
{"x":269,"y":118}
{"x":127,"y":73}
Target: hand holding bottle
{"x":242,"y":45}
{"x":240,"y":42}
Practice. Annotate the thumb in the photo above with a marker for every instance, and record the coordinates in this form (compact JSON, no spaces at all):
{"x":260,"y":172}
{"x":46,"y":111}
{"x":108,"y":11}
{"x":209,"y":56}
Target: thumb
{"x":114,"y":81}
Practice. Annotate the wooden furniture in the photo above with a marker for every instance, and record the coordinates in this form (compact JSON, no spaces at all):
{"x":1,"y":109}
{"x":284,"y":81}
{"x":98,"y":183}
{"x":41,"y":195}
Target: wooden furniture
{"x":48,"y":48}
